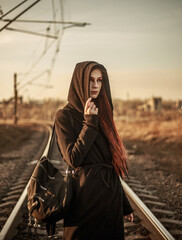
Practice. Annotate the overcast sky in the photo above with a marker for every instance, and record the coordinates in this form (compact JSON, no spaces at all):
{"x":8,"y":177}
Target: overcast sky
{"x":138,"y":41}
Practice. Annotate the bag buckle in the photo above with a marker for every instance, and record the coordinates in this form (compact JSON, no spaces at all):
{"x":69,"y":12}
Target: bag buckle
{"x":68,"y":171}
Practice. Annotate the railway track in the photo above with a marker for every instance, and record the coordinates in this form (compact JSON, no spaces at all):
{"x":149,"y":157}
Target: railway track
{"x":11,"y":208}
{"x":156,"y":220}
{"x":145,"y":226}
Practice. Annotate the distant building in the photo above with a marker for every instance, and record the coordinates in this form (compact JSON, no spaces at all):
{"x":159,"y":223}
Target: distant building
{"x":179,"y":104}
{"x":152,"y":105}
{"x":155,"y":104}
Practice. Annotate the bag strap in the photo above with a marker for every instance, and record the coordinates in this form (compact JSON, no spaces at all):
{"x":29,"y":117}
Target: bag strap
{"x":50,"y":227}
{"x":52,"y":140}
{"x":54,"y":137}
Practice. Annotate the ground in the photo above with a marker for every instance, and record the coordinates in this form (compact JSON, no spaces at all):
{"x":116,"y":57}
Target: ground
{"x":157,"y":144}
{"x":13,"y":136}
{"x":156,"y":139}
{"x":18,"y":144}
{"x":161,"y":139}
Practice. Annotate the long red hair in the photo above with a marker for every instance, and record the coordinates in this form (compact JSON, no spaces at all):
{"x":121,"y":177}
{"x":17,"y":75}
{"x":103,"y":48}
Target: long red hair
{"x":119,"y":156}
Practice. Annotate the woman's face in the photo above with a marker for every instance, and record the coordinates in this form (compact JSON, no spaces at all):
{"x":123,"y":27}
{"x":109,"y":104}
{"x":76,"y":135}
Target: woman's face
{"x":95,"y":83}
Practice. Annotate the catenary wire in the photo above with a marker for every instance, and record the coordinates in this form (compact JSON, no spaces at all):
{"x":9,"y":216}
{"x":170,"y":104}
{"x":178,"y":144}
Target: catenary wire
{"x":25,"y":10}
{"x":13,"y":9}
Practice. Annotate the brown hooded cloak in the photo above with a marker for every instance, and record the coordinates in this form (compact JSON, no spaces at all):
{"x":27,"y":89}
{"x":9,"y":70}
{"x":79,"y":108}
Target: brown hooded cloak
{"x":99,"y":201}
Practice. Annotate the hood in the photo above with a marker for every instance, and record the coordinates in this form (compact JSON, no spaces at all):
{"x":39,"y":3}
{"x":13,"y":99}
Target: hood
{"x":79,"y":86}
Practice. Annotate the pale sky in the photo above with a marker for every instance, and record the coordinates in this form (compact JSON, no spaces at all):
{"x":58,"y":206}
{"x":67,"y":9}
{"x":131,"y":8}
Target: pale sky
{"x":138,"y":41}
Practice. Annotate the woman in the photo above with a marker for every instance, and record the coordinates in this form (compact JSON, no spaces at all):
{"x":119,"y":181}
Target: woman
{"x":90,"y":144}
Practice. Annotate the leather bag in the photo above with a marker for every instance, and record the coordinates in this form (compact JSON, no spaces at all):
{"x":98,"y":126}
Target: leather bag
{"x":49,"y":192}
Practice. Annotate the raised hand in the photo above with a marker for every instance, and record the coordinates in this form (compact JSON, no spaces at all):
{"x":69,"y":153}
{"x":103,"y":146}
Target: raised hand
{"x":90,"y":107}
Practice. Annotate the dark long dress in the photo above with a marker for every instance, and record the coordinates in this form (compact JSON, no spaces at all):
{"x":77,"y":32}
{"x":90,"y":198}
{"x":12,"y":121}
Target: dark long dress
{"x":99,"y":201}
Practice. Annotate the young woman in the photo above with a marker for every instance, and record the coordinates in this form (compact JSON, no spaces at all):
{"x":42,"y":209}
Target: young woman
{"x":90,"y":144}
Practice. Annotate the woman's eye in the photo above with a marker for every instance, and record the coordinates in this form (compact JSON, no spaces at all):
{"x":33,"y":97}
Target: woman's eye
{"x":98,"y":80}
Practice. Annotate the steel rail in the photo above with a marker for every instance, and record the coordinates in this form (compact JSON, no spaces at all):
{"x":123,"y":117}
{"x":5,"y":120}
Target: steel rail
{"x":12,"y":221}
{"x":153,"y":225}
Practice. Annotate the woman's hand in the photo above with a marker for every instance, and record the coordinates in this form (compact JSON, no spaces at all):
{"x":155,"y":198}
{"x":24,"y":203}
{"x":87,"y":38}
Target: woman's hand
{"x":90,"y":107}
{"x":129,"y":217}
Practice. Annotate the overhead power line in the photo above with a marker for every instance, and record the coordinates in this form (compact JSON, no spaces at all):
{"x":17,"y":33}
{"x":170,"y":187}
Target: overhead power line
{"x":59,"y":26}
{"x":72,"y":24}
{"x":13,"y":9}
{"x":81,"y":24}
{"x":33,"y":79}
{"x":76,"y":25}
{"x":41,"y":85}
{"x":54,"y":16}
{"x":12,"y":20}
{"x":30,"y":32}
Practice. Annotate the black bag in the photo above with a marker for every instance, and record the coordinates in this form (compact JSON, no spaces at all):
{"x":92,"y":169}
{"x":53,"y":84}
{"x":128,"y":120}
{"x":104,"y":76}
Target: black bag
{"x":50,"y":191}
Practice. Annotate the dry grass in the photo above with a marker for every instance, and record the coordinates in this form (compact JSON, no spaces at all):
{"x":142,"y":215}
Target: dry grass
{"x":161,"y":139}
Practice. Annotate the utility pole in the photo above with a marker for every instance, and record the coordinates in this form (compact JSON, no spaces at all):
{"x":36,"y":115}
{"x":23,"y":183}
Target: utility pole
{"x":15,"y":99}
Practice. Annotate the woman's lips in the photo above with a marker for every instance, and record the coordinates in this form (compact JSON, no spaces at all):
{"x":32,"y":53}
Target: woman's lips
{"x":94,"y":92}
